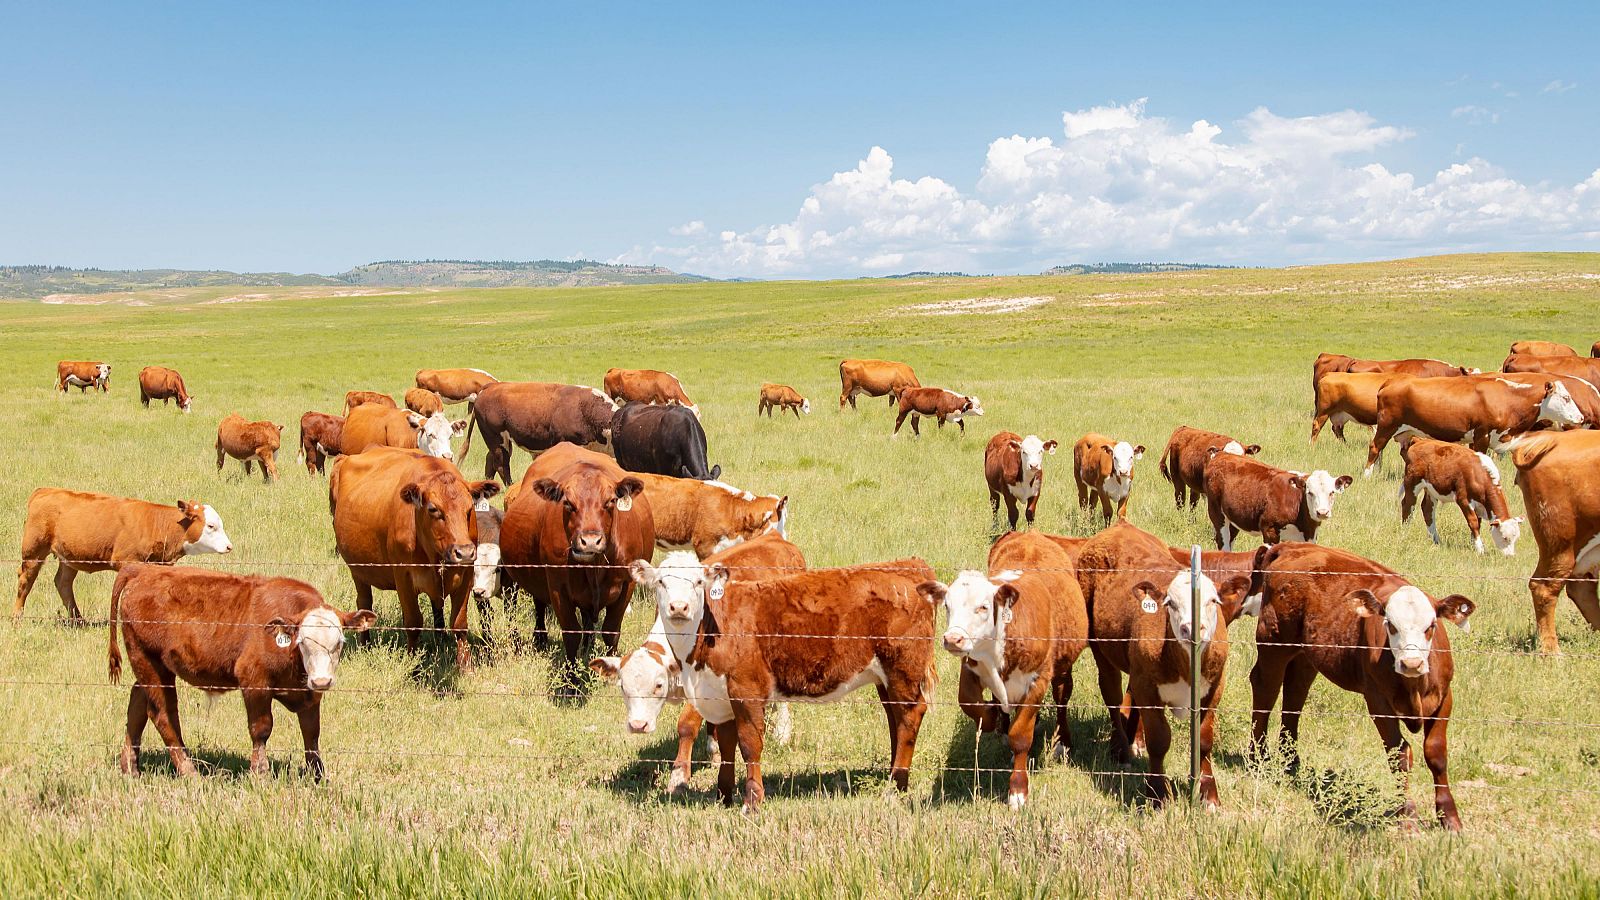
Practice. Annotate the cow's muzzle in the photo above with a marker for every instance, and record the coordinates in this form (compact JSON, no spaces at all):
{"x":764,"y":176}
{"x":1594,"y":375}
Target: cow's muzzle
{"x":589,"y":544}
{"x":457,"y":554}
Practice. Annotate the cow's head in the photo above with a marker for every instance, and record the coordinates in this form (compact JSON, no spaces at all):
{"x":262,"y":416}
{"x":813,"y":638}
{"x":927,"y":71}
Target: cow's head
{"x":1504,"y":534}
{"x":647,"y":678}
{"x":971,"y":406}
{"x":1032,"y":451}
{"x":977,"y":610}
{"x":1558,"y":408}
{"x":102,"y":373}
{"x":202,"y":529}
{"x":1409,"y":619}
{"x":1319,"y":489}
{"x":1122,"y":456}
{"x":805,"y":406}
{"x":1238,"y":449}
{"x":319,"y":639}
{"x":447,"y":527}
{"x":185,"y":402}
{"x":433,"y":434}
{"x":680,"y":584}
{"x":1177,"y":602}
{"x":486,"y":571}
{"x":590,"y":501}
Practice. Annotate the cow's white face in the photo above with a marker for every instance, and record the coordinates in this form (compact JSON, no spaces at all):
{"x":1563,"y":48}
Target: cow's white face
{"x":1233,"y":447}
{"x":212,"y":538}
{"x":975,"y":613}
{"x":1409,"y":620}
{"x":433,"y":435}
{"x":1558,"y":407}
{"x":486,"y":571}
{"x":1122,"y":456}
{"x":102,"y":372}
{"x":1033,"y":450}
{"x":645,"y":677}
{"x":1504,"y":534}
{"x":977,"y":407}
{"x":186,"y":403}
{"x":805,"y":407}
{"x":679,"y":583}
{"x":1321,"y":488}
{"x":320,"y":639}
{"x":1179,"y":606}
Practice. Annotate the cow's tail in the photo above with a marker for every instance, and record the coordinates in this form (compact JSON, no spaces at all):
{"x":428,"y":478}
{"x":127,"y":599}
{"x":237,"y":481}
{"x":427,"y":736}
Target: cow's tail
{"x":113,"y":653}
{"x":472,"y":422}
{"x":300,"y":457}
{"x":1527,"y":449}
{"x":1168,"y":463}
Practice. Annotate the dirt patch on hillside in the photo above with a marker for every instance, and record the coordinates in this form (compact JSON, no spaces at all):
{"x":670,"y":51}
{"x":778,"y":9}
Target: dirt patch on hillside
{"x":976,"y":305}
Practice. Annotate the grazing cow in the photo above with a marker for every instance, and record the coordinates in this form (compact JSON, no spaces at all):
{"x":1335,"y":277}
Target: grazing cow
{"x":782,"y":398}
{"x":1438,"y":471}
{"x":423,"y":402}
{"x":1018,"y":630}
{"x":572,"y":527}
{"x":249,"y":442}
{"x":1103,"y":469}
{"x":536,"y":416}
{"x":1244,"y":494}
{"x":268,"y":638}
{"x":1183,"y":462}
{"x":875,"y":378}
{"x":1583,"y":392}
{"x":160,"y":383}
{"x":1141,"y":623}
{"x":403,"y":522}
{"x":1013,"y":466}
{"x":936,"y":403}
{"x":1541,"y":348}
{"x":1430,"y":368}
{"x":1584,"y":367}
{"x":95,"y":532}
{"x":646,"y":386}
{"x":1344,"y":397}
{"x":663,"y":440}
{"x":1366,"y":629}
{"x":708,"y":516}
{"x":814,"y":636}
{"x":321,"y":436}
{"x":650,"y":676}
{"x":1484,"y":411}
{"x":353,"y":399}
{"x":455,"y":385}
{"x":82,"y":374}
{"x":371,"y":425}
{"x":1561,"y":498}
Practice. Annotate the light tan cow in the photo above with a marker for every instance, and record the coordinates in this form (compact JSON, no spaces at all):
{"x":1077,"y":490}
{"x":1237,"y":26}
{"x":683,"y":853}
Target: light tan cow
{"x":1559,"y":474}
{"x":875,"y":378}
{"x":249,"y":442}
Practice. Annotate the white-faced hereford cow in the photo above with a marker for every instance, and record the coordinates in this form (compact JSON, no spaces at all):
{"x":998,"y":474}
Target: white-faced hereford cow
{"x":250,"y":443}
{"x":937,"y":404}
{"x":536,"y":416}
{"x":646,"y":386}
{"x":815,"y":636}
{"x":1584,"y":367}
{"x":1183,"y":462}
{"x":875,"y":378}
{"x":1103,"y":470}
{"x":166,"y":385}
{"x":782,"y":398}
{"x":268,"y":638}
{"x":709,"y":516}
{"x":1013,"y":467}
{"x":1484,"y":411}
{"x":95,"y":532}
{"x":1345,"y":397}
{"x":82,"y":374}
{"x":1018,"y":630}
{"x":1559,"y":475}
{"x":1437,"y":471}
{"x":1369,"y":631}
{"x":1245,"y":494}
{"x":321,"y":436}
{"x":371,"y":425}
{"x":403,"y":522}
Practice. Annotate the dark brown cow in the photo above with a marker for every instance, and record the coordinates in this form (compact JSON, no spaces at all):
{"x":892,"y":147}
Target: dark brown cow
{"x":250,"y":443}
{"x":1594,"y":351}
{"x":268,"y":638}
{"x":938,"y":404}
{"x":1013,"y":467}
{"x":1364,"y":628}
{"x":403,"y":522}
{"x":782,"y":398}
{"x":536,"y":416}
{"x":455,"y":385}
{"x":1484,"y":411}
{"x":83,"y":374}
{"x":1583,"y":367}
{"x":1438,"y":471}
{"x":1018,"y":631}
{"x":321,"y":436}
{"x":1183,"y":462}
{"x":1245,"y":494}
{"x":814,"y":636}
{"x":353,"y":399}
{"x":1344,"y":397}
{"x":1559,"y":475}
{"x":95,"y":532}
{"x":160,"y":383}
{"x":1141,"y":623}
{"x":1541,"y":348}
{"x":576,"y":522}
{"x":423,"y":401}
{"x":875,"y":378}
{"x":646,"y":386}
{"x":1103,"y":470}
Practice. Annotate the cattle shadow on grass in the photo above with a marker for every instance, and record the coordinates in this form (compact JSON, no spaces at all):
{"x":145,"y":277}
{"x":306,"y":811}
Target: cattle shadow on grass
{"x":967,"y":778}
{"x":156,"y":762}
{"x":1343,"y":800}
{"x":644,"y":779}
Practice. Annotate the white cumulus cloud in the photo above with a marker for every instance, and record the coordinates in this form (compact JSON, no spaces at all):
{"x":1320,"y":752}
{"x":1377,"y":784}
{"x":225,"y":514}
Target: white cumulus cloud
{"x":1557,"y":87}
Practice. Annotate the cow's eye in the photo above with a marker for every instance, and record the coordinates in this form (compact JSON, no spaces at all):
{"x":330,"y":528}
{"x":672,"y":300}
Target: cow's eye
{"x":980,"y":609}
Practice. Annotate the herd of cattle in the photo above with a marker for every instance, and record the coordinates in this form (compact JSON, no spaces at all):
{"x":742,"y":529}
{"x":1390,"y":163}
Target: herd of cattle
{"x":742,"y":622}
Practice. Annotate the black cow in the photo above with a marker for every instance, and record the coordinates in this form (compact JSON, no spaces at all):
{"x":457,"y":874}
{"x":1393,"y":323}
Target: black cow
{"x":663,"y":440}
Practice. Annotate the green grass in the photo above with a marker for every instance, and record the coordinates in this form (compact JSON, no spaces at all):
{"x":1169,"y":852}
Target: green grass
{"x":483,"y":784}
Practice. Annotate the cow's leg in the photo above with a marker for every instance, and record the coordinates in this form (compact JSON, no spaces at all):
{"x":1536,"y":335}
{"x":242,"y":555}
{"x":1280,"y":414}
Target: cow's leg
{"x":1061,"y":693}
{"x":689,"y":722}
{"x":438,"y":611}
{"x":1134,"y":724}
{"x":144,"y":399}
{"x":1266,"y":682}
{"x":258,"y":713}
{"x":795,"y":408}
{"x":1471,"y":515}
{"x":1208,"y":733}
{"x":1033,"y":509}
{"x":916,"y":425}
{"x":749,"y":718}
{"x":1395,"y":747}
{"x":458,"y":621}
{"x":35,"y":549}
{"x":310,"y":736}
{"x":1105,"y":506}
{"x":410,"y":612}
{"x":1011,"y":511}
{"x":1317,"y":421}
{"x":910,"y":702}
{"x":1083,"y":491}
{"x":1297,"y":681}
{"x":1408,"y":496}
{"x":900,"y":419}
{"x":972,"y":700}
{"x":567,"y":618}
{"x":1545,"y":586}
{"x":363,"y":601}
{"x":248,"y":469}
{"x":611,"y":629}
{"x":64,"y":576}
{"x":994,"y":507}
{"x":138,"y":715}
{"x":162,"y":693}
{"x":1436,"y":751}
{"x":1382,"y":434}
{"x":728,"y":749}
{"x":1219,"y":522}
{"x":1020,"y":738}
{"x":1584,"y":594}
{"x":1111,"y":692}
{"x":1157,"y":740}
{"x":220,"y":456}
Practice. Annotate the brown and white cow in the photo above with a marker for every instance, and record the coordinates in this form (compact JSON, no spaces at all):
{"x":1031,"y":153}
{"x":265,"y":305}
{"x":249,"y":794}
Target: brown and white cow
{"x":83,"y":374}
{"x":455,"y":385}
{"x":268,"y":638}
{"x":250,"y":443}
{"x":1018,"y":631}
{"x":95,"y":532}
{"x":1141,"y":623}
{"x":1559,"y":475}
{"x":403,"y":522}
{"x":371,"y":425}
{"x":536,"y":416}
{"x":1484,"y":412}
{"x":815,"y":636}
{"x":1344,"y":397}
{"x":646,"y":386}
{"x":1103,"y":470}
{"x":161,"y":383}
{"x":1013,"y":467}
{"x":875,"y":378}
{"x":1245,"y":494}
{"x":1584,"y":367}
{"x":709,"y":516}
{"x":650,"y":676}
{"x":938,"y":404}
{"x":1583,"y":392}
{"x":1430,"y":368}
{"x":782,"y":398}
{"x":1437,"y":471}
{"x":423,"y":402}
{"x":1183,"y":462}
{"x":353,"y":399}
{"x":321,"y":436}
{"x":572,"y":528}
{"x":1541,"y":348}
{"x":1366,"y":629}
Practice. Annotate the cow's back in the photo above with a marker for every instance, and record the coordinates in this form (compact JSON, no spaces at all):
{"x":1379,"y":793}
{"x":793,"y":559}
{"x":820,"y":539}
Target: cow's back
{"x":369,"y":518}
{"x":371,"y":425}
{"x":1559,"y":476}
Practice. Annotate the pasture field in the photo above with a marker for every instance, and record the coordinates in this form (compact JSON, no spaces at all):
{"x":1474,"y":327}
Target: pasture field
{"x":484,"y":784}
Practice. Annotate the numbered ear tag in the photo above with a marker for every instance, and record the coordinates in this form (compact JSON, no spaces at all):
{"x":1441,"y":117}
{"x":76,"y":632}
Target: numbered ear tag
{"x":1149,"y":604}
{"x":482,"y":505}
{"x":283,"y":640}
{"x":717,"y":591}
{"x":625,"y":503}
{"x":1005,"y":616}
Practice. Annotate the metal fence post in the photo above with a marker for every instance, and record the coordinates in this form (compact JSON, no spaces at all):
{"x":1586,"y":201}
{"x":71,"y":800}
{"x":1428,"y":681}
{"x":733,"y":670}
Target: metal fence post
{"x":1194,"y":673}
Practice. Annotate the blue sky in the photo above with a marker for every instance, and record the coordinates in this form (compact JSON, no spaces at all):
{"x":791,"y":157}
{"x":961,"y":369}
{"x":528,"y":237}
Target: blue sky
{"x":739,"y":139}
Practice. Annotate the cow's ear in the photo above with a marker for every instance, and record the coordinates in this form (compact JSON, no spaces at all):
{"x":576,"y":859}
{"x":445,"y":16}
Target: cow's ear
{"x":1455,"y":608}
{"x":411,"y":493}
{"x":1252,"y":450}
{"x":483,"y":490}
{"x":1147,"y":590}
{"x":189,"y":509}
{"x":1342,"y":482}
{"x":627,"y":489}
{"x":1232,"y":593}
{"x":358,"y":621}
{"x":716,"y":471}
{"x":1365,"y":603}
{"x":549,"y":490}
{"x":1050,"y":447}
{"x":933,"y":591}
{"x":1006,"y":595}
{"x":1138,"y":452}
{"x":280,"y":429}
{"x":717,"y":577}
{"x":642,"y":572}
{"x":458,"y":426}
{"x":282,"y":632}
{"x":1297,"y":482}
{"x":1212,"y":451}
{"x":1015,"y":445}
{"x":607,"y":667}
